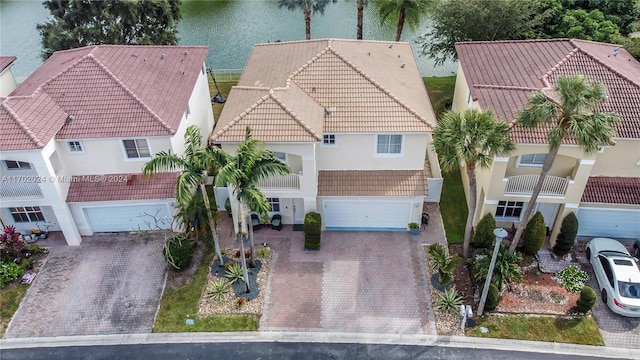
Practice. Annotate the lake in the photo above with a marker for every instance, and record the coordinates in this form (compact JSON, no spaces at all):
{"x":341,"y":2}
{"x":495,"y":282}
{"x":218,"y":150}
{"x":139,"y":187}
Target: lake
{"x":229,"y":28}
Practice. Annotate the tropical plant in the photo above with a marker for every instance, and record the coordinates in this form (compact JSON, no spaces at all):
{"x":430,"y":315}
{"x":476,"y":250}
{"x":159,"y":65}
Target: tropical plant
{"x":194,"y":166}
{"x":534,"y":234}
{"x":506,"y":267}
{"x":218,"y":288}
{"x":567,"y":236}
{"x":413,"y":225}
{"x":410,"y":12}
{"x":264,"y":252}
{"x":473,"y":138}
{"x":587,"y":299}
{"x":312,"y":230}
{"x":493,"y":298}
{"x":573,"y":278}
{"x":442,"y":263}
{"x":308,"y":7}
{"x":449,"y":301}
{"x":9,"y":271}
{"x":10,"y":244}
{"x":360,"y":4}
{"x":483,"y":236}
{"x":573,"y":114}
{"x":240,"y":302}
{"x":177,"y":252}
{"x":234,"y":273}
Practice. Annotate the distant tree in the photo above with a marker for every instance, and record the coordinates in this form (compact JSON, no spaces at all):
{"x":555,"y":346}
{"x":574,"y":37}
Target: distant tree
{"x":77,"y":23}
{"x":592,"y":25}
{"x":410,"y":12}
{"x":360,"y":4}
{"x":308,"y":7}
{"x":632,"y":45}
{"x":623,"y":13}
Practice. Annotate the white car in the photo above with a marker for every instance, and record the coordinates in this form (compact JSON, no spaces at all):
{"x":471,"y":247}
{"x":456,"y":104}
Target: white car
{"x":618,"y":275}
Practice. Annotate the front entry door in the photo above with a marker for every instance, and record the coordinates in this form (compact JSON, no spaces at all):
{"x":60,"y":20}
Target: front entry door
{"x":298,"y":214}
{"x":549,"y":212}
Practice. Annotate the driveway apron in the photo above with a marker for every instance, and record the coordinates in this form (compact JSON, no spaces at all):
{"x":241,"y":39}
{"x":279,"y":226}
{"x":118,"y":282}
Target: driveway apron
{"x":111,"y":284}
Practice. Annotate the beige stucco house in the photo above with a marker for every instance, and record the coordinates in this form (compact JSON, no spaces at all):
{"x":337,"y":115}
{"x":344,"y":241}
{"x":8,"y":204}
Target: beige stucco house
{"x":351,"y":118}
{"x":603,"y":189}
{"x":75,"y":135}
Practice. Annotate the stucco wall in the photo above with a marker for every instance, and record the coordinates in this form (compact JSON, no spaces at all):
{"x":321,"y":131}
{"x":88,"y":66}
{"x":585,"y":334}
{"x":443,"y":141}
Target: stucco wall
{"x":7,"y":82}
{"x":619,"y":160}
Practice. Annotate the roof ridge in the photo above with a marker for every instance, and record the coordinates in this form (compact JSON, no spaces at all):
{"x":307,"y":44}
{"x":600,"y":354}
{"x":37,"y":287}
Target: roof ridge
{"x":505,"y":87}
{"x":249,"y":87}
{"x":239,"y":117}
{"x":480,"y":42}
{"x":554,"y":68}
{"x":293,"y":115}
{"x":623,"y":76}
{"x":34,"y":139}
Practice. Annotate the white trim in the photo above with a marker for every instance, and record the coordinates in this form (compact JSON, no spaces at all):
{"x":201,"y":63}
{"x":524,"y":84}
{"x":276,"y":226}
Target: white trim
{"x":81,"y":151}
{"x":124,"y":149}
{"x":587,"y":162}
{"x":571,"y":206}
{"x":501,"y":159}
{"x":386,"y":155}
{"x":491,"y":202}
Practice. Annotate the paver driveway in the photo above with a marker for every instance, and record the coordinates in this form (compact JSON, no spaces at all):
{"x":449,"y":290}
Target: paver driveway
{"x":110,"y":284}
{"x":371,"y":282}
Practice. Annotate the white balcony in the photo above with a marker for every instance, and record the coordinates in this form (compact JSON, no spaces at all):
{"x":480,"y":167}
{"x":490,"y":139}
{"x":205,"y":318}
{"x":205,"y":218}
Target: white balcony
{"x":524,"y":184}
{"x":286,"y":182}
{"x":18,"y":191}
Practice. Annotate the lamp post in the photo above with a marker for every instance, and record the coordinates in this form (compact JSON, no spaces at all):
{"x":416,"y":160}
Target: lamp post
{"x":500,"y":234}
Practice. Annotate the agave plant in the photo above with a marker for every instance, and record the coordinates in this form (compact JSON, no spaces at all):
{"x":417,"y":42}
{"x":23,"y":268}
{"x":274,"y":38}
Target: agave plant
{"x":218,"y":289}
{"x":442,"y":263}
{"x":234,"y":272}
{"x":449,"y":301}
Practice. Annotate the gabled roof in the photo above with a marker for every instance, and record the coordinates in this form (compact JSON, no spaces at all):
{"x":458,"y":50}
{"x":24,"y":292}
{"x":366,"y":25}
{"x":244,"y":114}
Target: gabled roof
{"x":612,"y":190}
{"x":136,"y":187}
{"x":371,"y":183}
{"x":503,"y":74}
{"x":6,"y":61}
{"x":111,"y":91}
{"x":326,"y":86}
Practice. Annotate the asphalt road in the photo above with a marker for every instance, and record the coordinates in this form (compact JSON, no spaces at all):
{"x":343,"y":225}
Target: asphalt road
{"x":271,"y":350}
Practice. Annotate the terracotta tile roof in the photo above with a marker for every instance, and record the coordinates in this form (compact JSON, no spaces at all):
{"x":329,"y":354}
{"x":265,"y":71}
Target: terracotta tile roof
{"x":365,"y":86}
{"x":372,"y":183}
{"x":612,"y":190}
{"x":113,"y":187}
{"x":5,"y":61}
{"x":118,"y":90}
{"x":501,"y":74}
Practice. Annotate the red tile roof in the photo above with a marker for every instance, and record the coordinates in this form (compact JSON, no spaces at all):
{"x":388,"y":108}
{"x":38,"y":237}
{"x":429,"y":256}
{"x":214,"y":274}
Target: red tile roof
{"x":612,"y":190}
{"x":371,"y":183}
{"x":113,"y":187}
{"x":502,"y":74}
{"x":113,"y":90}
{"x":5,"y":61}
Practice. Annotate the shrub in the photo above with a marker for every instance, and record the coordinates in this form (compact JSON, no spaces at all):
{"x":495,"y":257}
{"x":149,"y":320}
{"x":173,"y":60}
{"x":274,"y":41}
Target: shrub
{"x":264,"y":252}
{"x":10,"y":244}
{"x":573,"y":278}
{"x":534,"y":234}
{"x":177,"y":252}
{"x":493,"y":298}
{"x":442,"y":263}
{"x":483,"y":236}
{"x":229,"y":264}
{"x":234,"y":272}
{"x":9,"y":271}
{"x":413,"y":225}
{"x":567,"y":236}
{"x":312,"y":231}
{"x":240,"y":302}
{"x":506,"y":268}
{"x":218,"y":288}
{"x":587,"y":299}
{"x":449,"y":301}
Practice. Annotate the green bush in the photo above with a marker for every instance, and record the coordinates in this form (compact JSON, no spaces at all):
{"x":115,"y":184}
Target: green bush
{"x":534,"y":234}
{"x":567,"y":236}
{"x":493,"y":298}
{"x":9,"y":271}
{"x":442,"y":263}
{"x":483,"y":236}
{"x":312,"y":231}
{"x":449,"y":301}
{"x":264,"y":252}
{"x":177,"y":252}
{"x":587,"y":299}
{"x":506,"y":268}
{"x":573,"y":278}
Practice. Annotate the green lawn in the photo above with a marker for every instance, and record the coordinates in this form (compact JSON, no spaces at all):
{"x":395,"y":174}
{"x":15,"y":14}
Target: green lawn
{"x":10,"y":299}
{"x":225,"y":87}
{"x":581,"y":330}
{"x":440,"y":91}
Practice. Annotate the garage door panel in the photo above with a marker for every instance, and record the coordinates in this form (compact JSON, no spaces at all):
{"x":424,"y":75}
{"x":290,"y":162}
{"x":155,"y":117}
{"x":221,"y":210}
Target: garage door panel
{"x":617,"y":223}
{"x":128,"y":218}
{"x":365,"y":214}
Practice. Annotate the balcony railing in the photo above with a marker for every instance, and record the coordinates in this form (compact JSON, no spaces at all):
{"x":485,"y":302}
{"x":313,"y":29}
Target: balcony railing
{"x":524,"y":184}
{"x":16,"y":190}
{"x":286,"y":182}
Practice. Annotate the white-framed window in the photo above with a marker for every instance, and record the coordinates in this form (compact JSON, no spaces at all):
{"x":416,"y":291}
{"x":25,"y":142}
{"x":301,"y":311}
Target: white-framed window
{"x":280,"y":155}
{"x":136,"y":148}
{"x":274,"y":203}
{"x":531,"y":160}
{"x":75,"y":147}
{"x":16,"y":165}
{"x":329,"y":139}
{"x":389,"y":144}
{"x":509,"y":209}
{"x":26,"y":214}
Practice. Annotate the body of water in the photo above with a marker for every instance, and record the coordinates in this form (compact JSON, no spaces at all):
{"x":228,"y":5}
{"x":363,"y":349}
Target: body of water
{"x":229,"y":28}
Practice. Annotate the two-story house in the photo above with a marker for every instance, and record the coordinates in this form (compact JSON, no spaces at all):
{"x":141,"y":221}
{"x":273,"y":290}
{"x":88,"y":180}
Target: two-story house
{"x":75,"y":135}
{"x":603,"y":189}
{"x":353,"y":121}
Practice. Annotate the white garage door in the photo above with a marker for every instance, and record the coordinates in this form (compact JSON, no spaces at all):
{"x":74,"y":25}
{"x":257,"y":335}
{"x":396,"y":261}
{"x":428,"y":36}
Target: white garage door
{"x":128,"y":218}
{"x":609,"y":222}
{"x":363,"y":215}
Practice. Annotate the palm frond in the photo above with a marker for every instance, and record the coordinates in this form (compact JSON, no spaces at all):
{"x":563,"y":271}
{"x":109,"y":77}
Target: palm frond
{"x":164,"y":161}
{"x":186,"y":185}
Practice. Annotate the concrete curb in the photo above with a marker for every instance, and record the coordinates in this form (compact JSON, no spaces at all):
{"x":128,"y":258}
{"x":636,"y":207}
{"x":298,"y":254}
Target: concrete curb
{"x":324,"y":337}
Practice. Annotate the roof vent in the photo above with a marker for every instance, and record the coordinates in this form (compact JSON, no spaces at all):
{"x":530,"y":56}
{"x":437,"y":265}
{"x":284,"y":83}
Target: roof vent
{"x":69,"y":119}
{"x":403,"y":65}
{"x":616,"y":51}
{"x":327,"y":111}
{"x":185,"y":53}
{"x":391,"y":46}
{"x":163,"y":56}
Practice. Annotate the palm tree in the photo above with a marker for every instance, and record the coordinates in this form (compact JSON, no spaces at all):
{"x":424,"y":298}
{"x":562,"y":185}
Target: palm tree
{"x":308,"y":7}
{"x":243,"y":171}
{"x":360,"y":4}
{"x":572,"y":115}
{"x":475,"y":138}
{"x":409,"y":11}
{"x":194,"y":165}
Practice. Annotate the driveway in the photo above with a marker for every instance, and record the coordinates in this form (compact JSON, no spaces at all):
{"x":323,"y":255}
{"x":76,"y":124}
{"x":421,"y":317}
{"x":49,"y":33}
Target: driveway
{"x":111,"y":284}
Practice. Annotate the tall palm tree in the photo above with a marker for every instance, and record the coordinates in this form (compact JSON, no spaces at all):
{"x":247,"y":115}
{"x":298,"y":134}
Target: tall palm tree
{"x":475,"y":138}
{"x":308,"y":7}
{"x":574,"y":114}
{"x":361,"y":5}
{"x":243,"y":171}
{"x":407,"y":11}
{"x":194,"y":165}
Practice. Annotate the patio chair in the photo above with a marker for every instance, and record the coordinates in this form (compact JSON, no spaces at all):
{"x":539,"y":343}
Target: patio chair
{"x":276,"y":222}
{"x":255,"y":222}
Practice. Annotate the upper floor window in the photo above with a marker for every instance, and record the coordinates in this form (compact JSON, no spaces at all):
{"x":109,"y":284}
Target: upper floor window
{"x":75,"y":146}
{"x":26,"y":214}
{"x":329,"y":139}
{"x":275,"y":204}
{"x":16,"y":165}
{"x":389,"y":144}
{"x":532,"y":160}
{"x":509,"y":209}
{"x":280,"y":155}
{"x":136,"y":148}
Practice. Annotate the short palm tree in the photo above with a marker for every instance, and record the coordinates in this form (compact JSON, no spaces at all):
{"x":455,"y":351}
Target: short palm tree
{"x":572,"y":115}
{"x":474,"y":138}
{"x":308,"y":7}
{"x":506,"y":268}
{"x":193,"y":165}
{"x":360,"y":4}
{"x":407,"y":11}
